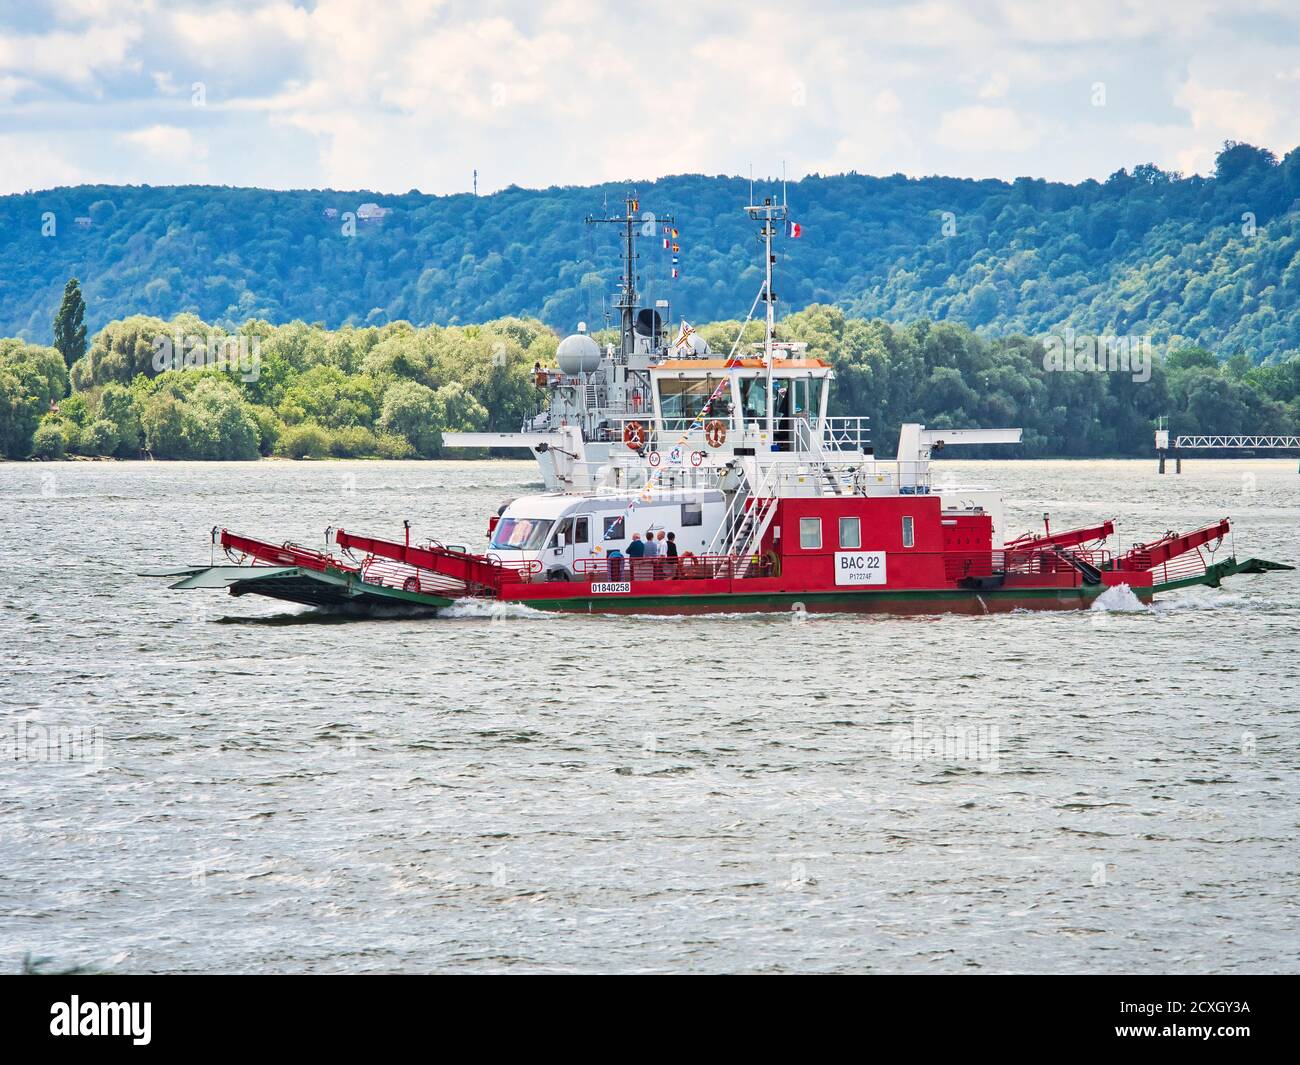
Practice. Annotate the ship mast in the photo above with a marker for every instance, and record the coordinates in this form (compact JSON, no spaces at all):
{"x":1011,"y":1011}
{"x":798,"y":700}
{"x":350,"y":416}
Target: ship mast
{"x":628,"y":297}
{"x":769,"y":214}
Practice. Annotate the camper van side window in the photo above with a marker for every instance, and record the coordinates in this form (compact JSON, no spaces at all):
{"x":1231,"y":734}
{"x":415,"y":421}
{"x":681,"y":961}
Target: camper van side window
{"x":614,"y":528}
{"x":692,"y":514}
{"x":580,"y":531}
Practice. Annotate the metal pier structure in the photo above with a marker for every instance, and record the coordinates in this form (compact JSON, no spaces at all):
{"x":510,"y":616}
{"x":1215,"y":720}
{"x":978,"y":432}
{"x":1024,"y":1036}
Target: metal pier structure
{"x":1212,"y":442}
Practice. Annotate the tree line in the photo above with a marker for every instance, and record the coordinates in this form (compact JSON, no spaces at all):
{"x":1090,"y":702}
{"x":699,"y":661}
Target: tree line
{"x":185,"y":389}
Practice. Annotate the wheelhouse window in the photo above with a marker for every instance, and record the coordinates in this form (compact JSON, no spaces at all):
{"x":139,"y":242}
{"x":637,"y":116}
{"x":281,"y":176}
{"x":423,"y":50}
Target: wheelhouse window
{"x":810,"y":534}
{"x":682,"y":400}
{"x":753,"y":397}
{"x":850,"y":533}
{"x":909,"y":533}
{"x":692,"y":514}
{"x":521,"y":534}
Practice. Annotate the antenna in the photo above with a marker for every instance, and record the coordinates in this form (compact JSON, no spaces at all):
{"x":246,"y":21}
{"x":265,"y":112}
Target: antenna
{"x":769,"y":214}
{"x":476,"y":182}
{"x":628,"y":297}
{"x":783,"y":197}
{"x":751,"y":184}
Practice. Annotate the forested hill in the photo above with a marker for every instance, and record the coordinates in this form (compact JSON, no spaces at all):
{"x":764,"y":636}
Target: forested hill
{"x":1212,"y":261}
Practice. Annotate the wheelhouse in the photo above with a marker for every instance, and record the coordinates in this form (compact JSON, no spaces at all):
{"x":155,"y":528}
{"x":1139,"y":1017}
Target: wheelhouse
{"x":779,"y":410}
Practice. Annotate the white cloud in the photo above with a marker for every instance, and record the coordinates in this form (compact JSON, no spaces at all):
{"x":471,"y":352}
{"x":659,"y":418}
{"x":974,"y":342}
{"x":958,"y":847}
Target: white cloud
{"x":388,"y":96}
{"x":981,"y":128}
{"x":167,"y":142}
{"x":26,"y":162}
{"x":71,"y":57}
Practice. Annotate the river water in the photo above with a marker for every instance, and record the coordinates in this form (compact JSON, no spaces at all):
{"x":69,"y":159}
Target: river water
{"x":249,"y":786}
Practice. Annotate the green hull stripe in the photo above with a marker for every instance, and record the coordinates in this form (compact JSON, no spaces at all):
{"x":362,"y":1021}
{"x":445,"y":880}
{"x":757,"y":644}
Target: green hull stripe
{"x":784,"y":600}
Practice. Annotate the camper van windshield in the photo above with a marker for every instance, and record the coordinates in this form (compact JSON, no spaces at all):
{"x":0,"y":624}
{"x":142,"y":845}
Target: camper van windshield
{"x":521,"y":534}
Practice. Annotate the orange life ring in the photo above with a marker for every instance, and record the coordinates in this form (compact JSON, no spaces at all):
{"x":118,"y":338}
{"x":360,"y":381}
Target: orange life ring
{"x":715,"y":433}
{"x":634,"y":435}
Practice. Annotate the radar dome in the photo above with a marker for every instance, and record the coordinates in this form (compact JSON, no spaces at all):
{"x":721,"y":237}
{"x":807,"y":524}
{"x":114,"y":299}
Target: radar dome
{"x":578,"y":353}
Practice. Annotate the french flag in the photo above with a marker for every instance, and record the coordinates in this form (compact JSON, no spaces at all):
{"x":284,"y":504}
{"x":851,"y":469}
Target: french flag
{"x":793,"y":230}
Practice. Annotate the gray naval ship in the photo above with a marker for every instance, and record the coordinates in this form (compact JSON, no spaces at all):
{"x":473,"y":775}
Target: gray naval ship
{"x":595,"y":399}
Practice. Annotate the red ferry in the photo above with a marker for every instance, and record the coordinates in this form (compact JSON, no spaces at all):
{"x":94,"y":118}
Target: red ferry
{"x":773,"y":504}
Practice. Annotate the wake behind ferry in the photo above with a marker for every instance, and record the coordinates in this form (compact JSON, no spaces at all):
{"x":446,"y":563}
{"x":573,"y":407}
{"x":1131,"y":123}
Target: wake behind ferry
{"x":730,"y":488}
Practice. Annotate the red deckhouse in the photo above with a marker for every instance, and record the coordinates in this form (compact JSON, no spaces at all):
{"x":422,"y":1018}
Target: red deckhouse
{"x":772,"y":504}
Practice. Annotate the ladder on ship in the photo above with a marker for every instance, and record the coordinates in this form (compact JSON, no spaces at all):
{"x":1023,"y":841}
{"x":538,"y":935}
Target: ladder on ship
{"x":746,"y":522}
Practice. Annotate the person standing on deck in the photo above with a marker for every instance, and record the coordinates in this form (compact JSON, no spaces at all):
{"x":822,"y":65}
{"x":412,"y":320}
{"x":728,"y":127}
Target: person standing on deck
{"x":652,"y":551}
{"x":671,"y":551}
{"x":635,"y":552}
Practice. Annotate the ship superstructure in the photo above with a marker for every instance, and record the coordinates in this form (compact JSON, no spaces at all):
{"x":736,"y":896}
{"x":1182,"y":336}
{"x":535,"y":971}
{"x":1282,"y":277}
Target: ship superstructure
{"x":586,"y":397}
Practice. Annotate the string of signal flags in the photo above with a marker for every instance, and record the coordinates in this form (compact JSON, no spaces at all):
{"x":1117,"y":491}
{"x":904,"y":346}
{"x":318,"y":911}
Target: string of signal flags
{"x":793,"y":230}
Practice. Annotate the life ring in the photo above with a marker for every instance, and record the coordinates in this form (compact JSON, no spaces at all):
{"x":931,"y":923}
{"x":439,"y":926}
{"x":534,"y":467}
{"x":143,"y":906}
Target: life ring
{"x":634,"y":435}
{"x":655,"y":458}
{"x":715,"y":433}
{"x":411,"y":584}
{"x":539,"y":379}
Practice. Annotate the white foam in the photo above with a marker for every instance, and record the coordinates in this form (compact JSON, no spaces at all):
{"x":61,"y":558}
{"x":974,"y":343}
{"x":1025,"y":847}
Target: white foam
{"x":1120,"y":599}
{"x":489,"y":608}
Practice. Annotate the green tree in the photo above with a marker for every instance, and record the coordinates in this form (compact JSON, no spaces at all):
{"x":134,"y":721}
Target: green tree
{"x":70,"y":324}
{"x":32,"y":378}
{"x":412,"y":411}
{"x":48,"y":442}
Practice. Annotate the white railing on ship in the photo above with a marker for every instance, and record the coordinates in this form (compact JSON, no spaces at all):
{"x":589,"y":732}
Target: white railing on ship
{"x":623,"y":476}
{"x":837,"y":434}
{"x":846,"y":433}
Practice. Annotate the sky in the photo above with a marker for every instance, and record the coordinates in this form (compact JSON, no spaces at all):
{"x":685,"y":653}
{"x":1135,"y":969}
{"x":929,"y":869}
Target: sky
{"x":398,"y":94}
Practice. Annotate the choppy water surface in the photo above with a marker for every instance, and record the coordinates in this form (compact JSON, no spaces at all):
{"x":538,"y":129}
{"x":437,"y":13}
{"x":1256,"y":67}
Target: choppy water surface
{"x":1095,"y":791}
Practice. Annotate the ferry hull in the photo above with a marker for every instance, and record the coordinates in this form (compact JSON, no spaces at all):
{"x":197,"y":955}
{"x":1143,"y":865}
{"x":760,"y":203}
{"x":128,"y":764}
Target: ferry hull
{"x":326,"y":585}
{"x":912,"y":601}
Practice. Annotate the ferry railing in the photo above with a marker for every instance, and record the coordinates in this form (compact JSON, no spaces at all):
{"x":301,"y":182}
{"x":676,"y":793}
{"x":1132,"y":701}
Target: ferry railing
{"x":958,"y":565}
{"x":906,"y":477}
{"x":287,"y":553}
{"x":1191,"y":564}
{"x":802,"y":433}
{"x":390,"y":574}
{"x":622,"y":477}
{"x":683,"y":567}
{"x":847,"y":433}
